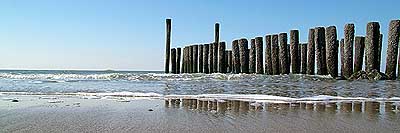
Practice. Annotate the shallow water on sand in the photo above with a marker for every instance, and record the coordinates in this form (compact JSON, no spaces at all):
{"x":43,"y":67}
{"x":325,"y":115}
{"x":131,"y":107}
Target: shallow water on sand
{"x":295,"y":86}
{"x":107,"y":101}
{"x":34,"y":114}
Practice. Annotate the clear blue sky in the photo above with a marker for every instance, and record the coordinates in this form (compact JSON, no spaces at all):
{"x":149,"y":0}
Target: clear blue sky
{"x":130,"y":34}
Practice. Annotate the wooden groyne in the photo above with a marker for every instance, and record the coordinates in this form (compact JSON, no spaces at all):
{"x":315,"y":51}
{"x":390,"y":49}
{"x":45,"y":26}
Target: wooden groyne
{"x":358,"y":57}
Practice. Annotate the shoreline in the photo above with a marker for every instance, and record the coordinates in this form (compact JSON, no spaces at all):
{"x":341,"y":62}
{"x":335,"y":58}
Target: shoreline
{"x":36,"y":114}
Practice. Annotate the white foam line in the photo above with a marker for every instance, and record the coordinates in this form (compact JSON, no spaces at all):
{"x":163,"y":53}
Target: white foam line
{"x":211,"y":97}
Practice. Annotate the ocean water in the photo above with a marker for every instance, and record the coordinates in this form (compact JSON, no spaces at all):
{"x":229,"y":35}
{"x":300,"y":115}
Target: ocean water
{"x":291,"y":86}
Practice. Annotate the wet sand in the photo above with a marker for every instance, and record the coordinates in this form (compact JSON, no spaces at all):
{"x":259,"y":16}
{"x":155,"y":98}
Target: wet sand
{"x":32,"y":114}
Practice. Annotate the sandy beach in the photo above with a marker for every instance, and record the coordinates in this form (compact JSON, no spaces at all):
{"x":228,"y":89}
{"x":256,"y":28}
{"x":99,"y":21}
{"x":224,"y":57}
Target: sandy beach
{"x":74,"y":114}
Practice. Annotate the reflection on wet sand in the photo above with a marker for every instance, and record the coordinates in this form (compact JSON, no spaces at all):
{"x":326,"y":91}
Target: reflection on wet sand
{"x":373,"y":109}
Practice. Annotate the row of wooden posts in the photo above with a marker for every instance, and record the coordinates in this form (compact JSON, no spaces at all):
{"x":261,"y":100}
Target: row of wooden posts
{"x":321,"y":49}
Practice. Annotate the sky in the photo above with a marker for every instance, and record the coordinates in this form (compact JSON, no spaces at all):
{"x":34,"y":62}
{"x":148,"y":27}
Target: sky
{"x":130,"y":34}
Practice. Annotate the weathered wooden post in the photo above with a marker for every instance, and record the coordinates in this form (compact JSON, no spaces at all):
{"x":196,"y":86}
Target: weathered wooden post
{"x":173,"y":60}
{"x":191,"y":62}
{"x":236,"y":57}
{"x":392,"y":49}
{"x":205,"y":58}
{"x":303,"y":48}
{"x":275,"y":55}
{"x":221,"y":57}
{"x":187,"y":59}
{"x":341,"y":45}
{"x":252,"y":56}
{"x":244,"y":56}
{"x":358,"y":53}
{"x":216,"y":39}
{"x":294,"y":49}
{"x":268,"y":60}
{"x":348,"y":50}
{"x":380,"y":51}
{"x":229,"y":57}
{"x":201,"y":58}
{"x":167,"y":44}
{"x":311,"y":53}
{"x":259,"y":55}
{"x":215,"y":57}
{"x":211,"y":58}
{"x":319,"y":38}
{"x":283,"y":54}
{"x":372,"y":46}
{"x":195,"y":58}
{"x":331,"y":51}
{"x":183,"y":60}
{"x":289,"y":56}
{"x":178,"y":60}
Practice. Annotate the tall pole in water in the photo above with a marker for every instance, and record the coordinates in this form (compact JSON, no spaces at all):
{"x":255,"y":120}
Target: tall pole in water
{"x":348,"y":50}
{"x":392,"y":50}
{"x":331,"y":51}
{"x":259,"y":55}
{"x":268,"y":59}
{"x":372,"y":46}
{"x":167,"y":45}
{"x":283,"y":54}
{"x":294,"y":49}
{"x":311,"y":53}
{"x":178,"y":60}
{"x":320,"y":53}
{"x":216,"y":33}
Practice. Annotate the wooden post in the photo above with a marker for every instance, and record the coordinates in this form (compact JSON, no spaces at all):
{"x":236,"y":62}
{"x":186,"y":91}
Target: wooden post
{"x":319,"y":38}
{"x":201,"y":63}
{"x":229,"y":57}
{"x":252,"y":56}
{"x":372,"y":46}
{"x":259,"y":55}
{"x":221,"y":57}
{"x":178,"y":60}
{"x":303,"y":48}
{"x":289,"y":56}
{"x":191,"y":59}
{"x":216,"y":33}
{"x":283,"y":54}
{"x":205,"y":58}
{"x":195,"y":58}
{"x":341,"y":45}
{"x":173,"y":60}
{"x":380,"y":51}
{"x":183,"y":60}
{"x":167,"y":44}
{"x":236,"y":57}
{"x":275,"y":55}
{"x":215,"y":57}
{"x":348,"y":50}
{"x":268,"y":60}
{"x":311,"y":53}
{"x":244,"y":56}
{"x":358,"y":53}
{"x":186,"y":59}
{"x":211,"y":58}
{"x":294,"y":49}
{"x":392,"y":49}
{"x":331,"y":51}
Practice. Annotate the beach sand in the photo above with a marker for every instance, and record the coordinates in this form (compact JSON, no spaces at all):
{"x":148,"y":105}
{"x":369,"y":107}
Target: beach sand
{"x":74,"y":114}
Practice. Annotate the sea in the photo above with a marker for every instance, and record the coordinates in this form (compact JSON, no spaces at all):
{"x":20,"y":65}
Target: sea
{"x":291,"y":86}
